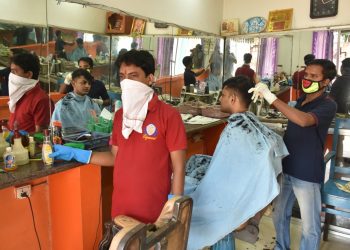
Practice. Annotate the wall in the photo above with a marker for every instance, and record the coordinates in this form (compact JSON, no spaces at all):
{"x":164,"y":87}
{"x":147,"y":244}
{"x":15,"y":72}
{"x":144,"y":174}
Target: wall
{"x":301,"y":8}
{"x":204,"y":15}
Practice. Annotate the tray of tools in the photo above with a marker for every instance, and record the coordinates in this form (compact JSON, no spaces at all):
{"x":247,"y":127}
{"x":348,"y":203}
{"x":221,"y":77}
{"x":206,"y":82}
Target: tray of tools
{"x":91,"y":140}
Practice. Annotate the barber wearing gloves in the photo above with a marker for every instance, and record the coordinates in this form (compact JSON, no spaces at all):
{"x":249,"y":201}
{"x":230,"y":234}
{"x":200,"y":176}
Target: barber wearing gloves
{"x":148,"y":144}
{"x":303,"y":169}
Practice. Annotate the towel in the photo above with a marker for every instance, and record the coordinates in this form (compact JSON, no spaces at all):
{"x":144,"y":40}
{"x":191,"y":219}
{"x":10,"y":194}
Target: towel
{"x":239,"y":180}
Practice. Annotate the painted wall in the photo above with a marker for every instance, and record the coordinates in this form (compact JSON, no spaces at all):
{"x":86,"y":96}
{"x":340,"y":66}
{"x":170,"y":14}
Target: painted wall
{"x":301,"y":8}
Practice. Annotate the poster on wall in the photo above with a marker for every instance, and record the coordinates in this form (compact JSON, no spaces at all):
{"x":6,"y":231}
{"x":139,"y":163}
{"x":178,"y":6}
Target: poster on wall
{"x":118,"y":23}
{"x":138,"y":27}
{"x":184,"y":32}
{"x":230,"y":27}
{"x":280,"y":20}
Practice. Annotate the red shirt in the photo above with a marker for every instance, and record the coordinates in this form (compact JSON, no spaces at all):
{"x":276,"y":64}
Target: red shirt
{"x":142,"y":168}
{"x":246,"y":71}
{"x":32,"y":109}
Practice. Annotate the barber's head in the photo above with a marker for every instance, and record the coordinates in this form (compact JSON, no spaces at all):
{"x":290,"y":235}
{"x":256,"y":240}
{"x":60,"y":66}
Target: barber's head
{"x":80,"y":42}
{"x":81,"y":81}
{"x":318,"y":74}
{"x":187,"y":61}
{"x":235,"y":96}
{"x":86,"y":63}
{"x":137,"y":65}
{"x":247,"y":58}
{"x":308,"y":58}
{"x":25,"y":65}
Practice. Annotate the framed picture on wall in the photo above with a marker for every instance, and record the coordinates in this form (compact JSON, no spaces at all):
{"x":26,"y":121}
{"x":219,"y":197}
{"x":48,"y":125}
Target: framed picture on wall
{"x":115,"y":23}
{"x":184,"y":32}
{"x":230,"y":27}
{"x":280,"y":20}
{"x":138,"y":26}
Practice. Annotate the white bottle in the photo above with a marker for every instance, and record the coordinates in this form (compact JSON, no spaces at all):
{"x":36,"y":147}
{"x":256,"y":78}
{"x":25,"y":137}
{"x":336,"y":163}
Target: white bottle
{"x":21,"y":154}
{"x":3,"y":143}
{"x":31,"y":147}
{"x":9,"y":160}
{"x":47,"y":149}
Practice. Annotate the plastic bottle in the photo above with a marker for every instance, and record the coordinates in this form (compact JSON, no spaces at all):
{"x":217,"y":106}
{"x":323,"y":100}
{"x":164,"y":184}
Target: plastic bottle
{"x":56,"y":132}
{"x":31,"y":147}
{"x":21,"y":154}
{"x":9,"y":160}
{"x":3,"y":143}
{"x":47,"y":149}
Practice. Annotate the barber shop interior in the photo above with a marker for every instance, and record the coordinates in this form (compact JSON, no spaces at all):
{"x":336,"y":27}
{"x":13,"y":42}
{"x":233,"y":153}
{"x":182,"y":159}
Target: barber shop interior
{"x":223,"y":125}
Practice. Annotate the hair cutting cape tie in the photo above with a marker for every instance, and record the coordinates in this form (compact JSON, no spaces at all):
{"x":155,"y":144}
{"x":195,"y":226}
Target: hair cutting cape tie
{"x":18,"y":86}
{"x":135,"y":98}
{"x":239,"y":180}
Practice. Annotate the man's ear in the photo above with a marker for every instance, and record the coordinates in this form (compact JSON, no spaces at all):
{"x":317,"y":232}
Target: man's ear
{"x":151,"y":79}
{"x":325,"y":82}
{"x":29,"y":74}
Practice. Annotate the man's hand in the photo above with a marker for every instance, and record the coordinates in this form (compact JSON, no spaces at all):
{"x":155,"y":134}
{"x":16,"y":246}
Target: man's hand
{"x":261,"y":89}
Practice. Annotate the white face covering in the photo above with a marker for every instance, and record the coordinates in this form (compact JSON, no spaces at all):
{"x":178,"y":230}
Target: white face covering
{"x":135,"y":98}
{"x":18,"y":86}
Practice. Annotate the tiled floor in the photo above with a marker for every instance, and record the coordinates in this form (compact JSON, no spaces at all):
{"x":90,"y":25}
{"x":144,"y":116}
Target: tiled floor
{"x":267,"y":238}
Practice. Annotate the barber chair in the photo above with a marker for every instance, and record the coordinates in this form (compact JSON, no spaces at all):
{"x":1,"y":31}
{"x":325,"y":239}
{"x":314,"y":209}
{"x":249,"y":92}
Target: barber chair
{"x":335,"y":201}
{"x":170,"y":231}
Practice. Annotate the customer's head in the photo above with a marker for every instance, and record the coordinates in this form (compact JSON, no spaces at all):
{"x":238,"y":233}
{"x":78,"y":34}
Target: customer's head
{"x":308,"y":58}
{"x":137,"y":65}
{"x":247,"y":58}
{"x":58,"y":33}
{"x":80,"y":42}
{"x":81,"y":81}
{"x":187,"y":61}
{"x":86,"y":63}
{"x":235,"y":96}
{"x":345,"y":66}
{"x":25,"y":65}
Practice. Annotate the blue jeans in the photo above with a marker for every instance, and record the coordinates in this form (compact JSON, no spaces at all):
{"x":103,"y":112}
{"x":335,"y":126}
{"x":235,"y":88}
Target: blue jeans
{"x":226,"y":243}
{"x":308,"y":195}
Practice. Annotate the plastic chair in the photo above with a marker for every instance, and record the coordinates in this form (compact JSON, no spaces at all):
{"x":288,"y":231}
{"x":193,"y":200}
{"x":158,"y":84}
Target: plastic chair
{"x":335,"y":201}
{"x":170,"y":231}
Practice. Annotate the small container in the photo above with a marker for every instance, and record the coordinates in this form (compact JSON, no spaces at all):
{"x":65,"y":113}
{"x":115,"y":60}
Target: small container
{"x":31,"y":147}
{"x":191,"y":88}
{"x":9,"y":160}
{"x":47,"y":149}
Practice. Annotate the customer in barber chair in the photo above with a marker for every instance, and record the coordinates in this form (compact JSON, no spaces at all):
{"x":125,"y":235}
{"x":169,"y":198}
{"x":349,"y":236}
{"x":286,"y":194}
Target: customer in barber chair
{"x":239,"y":179}
{"x":76,"y":108}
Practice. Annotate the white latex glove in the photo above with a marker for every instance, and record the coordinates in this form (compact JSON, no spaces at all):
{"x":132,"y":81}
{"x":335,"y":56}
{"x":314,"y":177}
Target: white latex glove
{"x":98,"y":101}
{"x":261,"y":89}
{"x":68,"y":79}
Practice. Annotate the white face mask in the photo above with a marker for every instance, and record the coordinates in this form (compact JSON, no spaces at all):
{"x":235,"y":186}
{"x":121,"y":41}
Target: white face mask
{"x":18,"y":86}
{"x":135,"y":98}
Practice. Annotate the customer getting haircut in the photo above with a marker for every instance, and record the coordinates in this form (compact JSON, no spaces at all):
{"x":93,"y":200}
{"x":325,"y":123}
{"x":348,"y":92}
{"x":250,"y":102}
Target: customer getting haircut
{"x":139,"y":58}
{"x":240,"y":85}
{"x":329,"y":70}
{"x":27,"y":62}
{"x":82,"y":72}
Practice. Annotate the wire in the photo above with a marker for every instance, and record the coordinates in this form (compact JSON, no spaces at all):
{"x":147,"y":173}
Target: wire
{"x":31,"y":209}
{"x":99,"y":219}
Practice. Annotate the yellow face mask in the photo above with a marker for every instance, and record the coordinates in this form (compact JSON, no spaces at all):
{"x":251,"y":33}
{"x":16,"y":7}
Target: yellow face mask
{"x":310,"y":86}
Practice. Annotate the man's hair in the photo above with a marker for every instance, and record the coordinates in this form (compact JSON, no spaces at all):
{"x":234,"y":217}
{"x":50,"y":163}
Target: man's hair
{"x":247,"y":57}
{"x":308,"y":58}
{"x":240,"y":86}
{"x":139,"y":58}
{"x":346,"y":63}
{"x":27,"y":62}
{"x":79,"y":41}
{"x":187,"y":61}
{"x":329,"y":70}
{"x":58,"y":33}
{"x":87,"y":60}
{"x":82,"y":72}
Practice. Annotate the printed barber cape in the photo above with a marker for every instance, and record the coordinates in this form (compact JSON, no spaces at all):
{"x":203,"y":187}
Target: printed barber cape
{"x":236,"y":182}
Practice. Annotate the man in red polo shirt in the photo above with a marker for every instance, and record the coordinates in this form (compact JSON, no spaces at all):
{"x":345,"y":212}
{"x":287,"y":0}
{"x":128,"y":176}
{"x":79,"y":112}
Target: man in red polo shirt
{"x":148,"y":144}
{"x":29,"y":105}
{"x":245,"y":70}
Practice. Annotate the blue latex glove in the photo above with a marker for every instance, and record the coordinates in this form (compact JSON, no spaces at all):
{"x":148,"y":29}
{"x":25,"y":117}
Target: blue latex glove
{"x":67,"y":153}
{"x":21,"y":132}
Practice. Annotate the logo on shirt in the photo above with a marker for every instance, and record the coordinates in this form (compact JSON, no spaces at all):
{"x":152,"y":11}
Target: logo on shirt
{"x":150,"y":132}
